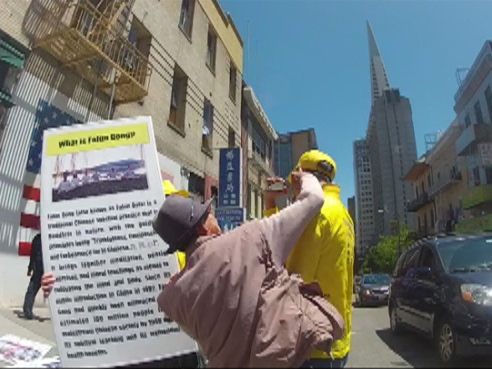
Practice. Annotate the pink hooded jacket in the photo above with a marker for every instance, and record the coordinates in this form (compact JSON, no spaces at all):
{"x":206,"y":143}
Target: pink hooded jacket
{"x":240,"y":304}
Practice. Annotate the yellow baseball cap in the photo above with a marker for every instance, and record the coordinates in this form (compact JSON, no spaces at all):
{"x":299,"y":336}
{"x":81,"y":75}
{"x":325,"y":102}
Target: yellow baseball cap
{"x":169,"y":189}
{"x":310,"y":161}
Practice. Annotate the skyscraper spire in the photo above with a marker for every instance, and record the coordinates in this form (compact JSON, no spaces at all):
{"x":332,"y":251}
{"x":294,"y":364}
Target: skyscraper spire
{"x":379,"y":80}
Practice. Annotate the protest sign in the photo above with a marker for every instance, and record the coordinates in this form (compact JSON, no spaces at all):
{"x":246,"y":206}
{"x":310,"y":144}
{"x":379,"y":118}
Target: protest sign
{"x":100,"y":190}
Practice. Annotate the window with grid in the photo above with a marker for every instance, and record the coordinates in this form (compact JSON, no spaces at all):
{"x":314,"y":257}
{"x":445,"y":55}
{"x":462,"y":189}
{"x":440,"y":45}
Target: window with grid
{"x":208,"y":122}
{"x":476,"y":176}
{"x":259,"y":140}
{"x":186,"y":16}
{"x":478,"y":112}
{"x":232,"y":82}
{"x":211,"y":48}
{"x":488,"y":99}
{"x":178,"y":100}
{"x":231,"y":138}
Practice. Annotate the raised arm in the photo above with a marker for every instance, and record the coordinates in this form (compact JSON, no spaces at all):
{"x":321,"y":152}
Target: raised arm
{"x":284,"y":229}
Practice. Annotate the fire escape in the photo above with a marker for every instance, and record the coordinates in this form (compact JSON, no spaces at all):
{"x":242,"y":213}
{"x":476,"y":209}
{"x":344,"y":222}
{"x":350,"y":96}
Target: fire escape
{"x":91,"y":38}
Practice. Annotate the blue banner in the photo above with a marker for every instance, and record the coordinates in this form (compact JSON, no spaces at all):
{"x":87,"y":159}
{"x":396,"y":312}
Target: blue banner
{"x":230,"y":178}
{"x":229,"y":218}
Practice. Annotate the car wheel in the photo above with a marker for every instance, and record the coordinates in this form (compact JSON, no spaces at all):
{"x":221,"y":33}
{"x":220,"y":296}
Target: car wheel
{"x":395,"y":324}
{"x":446,"y":341}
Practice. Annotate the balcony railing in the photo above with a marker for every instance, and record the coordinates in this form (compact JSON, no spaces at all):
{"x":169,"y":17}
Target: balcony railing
{"x":473,"y":225}
{"x":418,"y":203}
{"x":477,"y":195}
{"x":445,"y":181}
{"x":93,"y":43}
{"x":473,"y":134}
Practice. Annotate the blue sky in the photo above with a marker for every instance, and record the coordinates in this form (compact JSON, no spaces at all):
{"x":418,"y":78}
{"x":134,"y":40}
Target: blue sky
{"x":308,"y":62}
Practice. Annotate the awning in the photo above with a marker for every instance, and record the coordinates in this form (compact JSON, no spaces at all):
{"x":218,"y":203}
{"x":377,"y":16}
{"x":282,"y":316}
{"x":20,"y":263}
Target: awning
{"x":9,"y":54}
{"x":6,"y":99}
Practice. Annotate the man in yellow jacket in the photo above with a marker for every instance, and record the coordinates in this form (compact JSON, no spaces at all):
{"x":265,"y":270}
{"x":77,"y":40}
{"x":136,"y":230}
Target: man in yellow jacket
{"x":325,"y":252}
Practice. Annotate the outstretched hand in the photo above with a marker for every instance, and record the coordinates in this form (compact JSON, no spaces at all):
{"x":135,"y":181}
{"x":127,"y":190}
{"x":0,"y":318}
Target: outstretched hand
{"x":269,"y":195}
{"x":47,"y":283}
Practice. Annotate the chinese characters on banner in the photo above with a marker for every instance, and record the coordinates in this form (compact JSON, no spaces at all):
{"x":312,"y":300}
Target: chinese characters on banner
{"x":230,"y":178}
{"x":486,"y":153}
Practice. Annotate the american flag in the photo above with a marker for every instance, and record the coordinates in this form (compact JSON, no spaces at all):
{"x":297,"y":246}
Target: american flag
{"x":47,"y":116}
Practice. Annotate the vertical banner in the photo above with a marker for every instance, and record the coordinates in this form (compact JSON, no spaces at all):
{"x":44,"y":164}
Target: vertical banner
{"x":100,"y":190}
{"x":230,"y":191}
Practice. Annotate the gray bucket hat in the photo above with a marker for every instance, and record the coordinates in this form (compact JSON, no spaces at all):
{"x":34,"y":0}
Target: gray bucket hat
{"x":177,"y":219}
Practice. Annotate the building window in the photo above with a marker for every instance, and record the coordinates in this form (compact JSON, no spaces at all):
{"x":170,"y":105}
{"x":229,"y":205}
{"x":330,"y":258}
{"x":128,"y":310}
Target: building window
{"x":488,"y":99}
{"x":467,"y":121}
{"x":208,"y":123}
{"x":488,"y":175}
{"x":178,"y":100}
{"x":476,"y":176}
{"x":211,"y":48}
{"x":196,"y":186}
{"x":186,"y":17}
{"x":259,"y":140}
{"x":140,"y":37}
{"x":232,"y":82}
{"x":478,"y":112}
{"x":231,"y":138}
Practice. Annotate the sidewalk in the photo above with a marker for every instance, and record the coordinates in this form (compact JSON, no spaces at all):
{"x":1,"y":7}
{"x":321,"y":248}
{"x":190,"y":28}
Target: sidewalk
{"x":35,"y":330}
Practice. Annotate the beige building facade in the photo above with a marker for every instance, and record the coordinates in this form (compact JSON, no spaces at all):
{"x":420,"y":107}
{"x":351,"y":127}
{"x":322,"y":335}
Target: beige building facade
{"x":195,"y":89}
{"x":66,"y":62}
{"x":439,"y":182}
{"x":258,"y":137}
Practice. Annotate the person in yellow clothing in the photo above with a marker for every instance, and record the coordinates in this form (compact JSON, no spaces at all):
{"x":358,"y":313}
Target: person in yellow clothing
{"x":169,"y":190}
{"x":325,"y":252}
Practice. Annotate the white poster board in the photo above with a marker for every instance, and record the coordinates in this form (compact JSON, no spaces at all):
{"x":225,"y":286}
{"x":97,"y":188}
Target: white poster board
{"x":100,"y":190}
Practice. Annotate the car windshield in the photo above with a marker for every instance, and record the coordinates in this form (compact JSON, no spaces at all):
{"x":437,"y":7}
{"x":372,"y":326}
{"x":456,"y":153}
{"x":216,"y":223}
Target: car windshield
{"x":467,"y":255}
{"x":383,"y":279}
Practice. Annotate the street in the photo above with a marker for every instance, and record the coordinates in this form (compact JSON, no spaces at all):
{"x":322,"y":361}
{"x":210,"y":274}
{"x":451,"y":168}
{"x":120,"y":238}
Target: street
{"x":373,"y":345}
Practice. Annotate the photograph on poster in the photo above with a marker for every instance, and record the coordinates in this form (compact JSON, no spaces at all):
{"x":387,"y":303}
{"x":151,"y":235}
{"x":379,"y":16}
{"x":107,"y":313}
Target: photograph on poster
{"x":15,"y":349}
{"x":99,"y":172}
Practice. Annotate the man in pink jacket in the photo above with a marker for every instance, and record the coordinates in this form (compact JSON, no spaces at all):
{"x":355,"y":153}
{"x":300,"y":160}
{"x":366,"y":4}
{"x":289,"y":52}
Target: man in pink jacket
{"x":234,"y":297}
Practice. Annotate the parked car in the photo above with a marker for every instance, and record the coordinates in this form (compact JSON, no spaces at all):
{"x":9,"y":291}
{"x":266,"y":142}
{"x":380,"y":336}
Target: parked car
{"x":373,"y":289}
{"x":442,"y":288}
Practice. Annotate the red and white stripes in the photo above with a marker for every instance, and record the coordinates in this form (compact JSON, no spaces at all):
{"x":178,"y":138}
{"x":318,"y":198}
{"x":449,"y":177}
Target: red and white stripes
{"x":30,"y":216}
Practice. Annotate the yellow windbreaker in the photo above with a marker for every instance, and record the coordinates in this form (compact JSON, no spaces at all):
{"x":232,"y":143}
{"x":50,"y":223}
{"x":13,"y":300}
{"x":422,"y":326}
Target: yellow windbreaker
{"x":325,"y":254}
{"x":181,"y":259}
